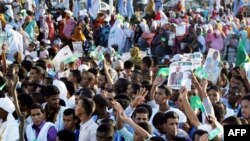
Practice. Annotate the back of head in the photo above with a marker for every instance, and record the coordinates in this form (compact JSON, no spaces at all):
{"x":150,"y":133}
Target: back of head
{"x":148,"y":61}
{"x":66,"y":135}
{"x":105,"y":131}
{"x":51,"y":90}
{"x":86,"y":92}
{"x":100,"y":101}
{"x":70,"y":87}
{"x":146,"y":126}
{"x":88,"y":105}
{"x":232,"y":120}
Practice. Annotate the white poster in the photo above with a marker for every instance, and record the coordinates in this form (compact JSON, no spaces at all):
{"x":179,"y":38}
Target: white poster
{"x":212,"y":65}
{"x":195,"y":58}
{"x":180,"y":29}
{"x":63,"y":54}
{"x":77,"y":46}
{"x":64,"y":74}
{"x":179,"y":75}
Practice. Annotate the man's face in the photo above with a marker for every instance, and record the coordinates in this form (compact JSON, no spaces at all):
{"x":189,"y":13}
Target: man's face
{"x":235,"y":83}
{"x":141,"y":117}
{"x":37,"y":116}
{"x":101,"y":81}
{"x":79,"y":109}
{"x":160,"y":96}
{"x":68,"y":122}
{"x":110,"y":96}
{"x":245,"y":109}
{"x":53,"y":101}
{"x":34,"y":75}
{"x":171,"y":127}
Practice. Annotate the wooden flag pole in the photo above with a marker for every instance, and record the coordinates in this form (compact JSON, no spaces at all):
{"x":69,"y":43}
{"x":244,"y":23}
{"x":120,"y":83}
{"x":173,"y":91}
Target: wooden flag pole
{"x":20,"y":115}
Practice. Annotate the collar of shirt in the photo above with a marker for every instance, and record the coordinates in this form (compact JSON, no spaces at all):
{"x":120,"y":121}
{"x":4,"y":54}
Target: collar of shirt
{"x":86,"y":124}
{"x":39,"y":127}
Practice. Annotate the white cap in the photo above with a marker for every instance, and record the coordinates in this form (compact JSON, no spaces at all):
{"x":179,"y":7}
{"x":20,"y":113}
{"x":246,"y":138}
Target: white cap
{"x":177,"y":57}
{"x":68,"y":12}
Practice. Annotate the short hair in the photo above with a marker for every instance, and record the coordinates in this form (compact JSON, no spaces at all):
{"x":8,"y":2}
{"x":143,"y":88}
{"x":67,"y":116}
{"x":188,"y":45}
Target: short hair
{"x":77,"y":74}
{"x":51,"y":90}
{"x":100,"y":100}
{"x":68,"y":112}
{"x":122,"y":85}
{"x":128,"y":64}
{"x":41,"y":63}
{"x":50,"y":80}
{"x":22,"y":73}
{"x":170,"y":115}
{"x":27,"y":65}
{"x":124,"y":103}
{"x":232,"y":120}
{"x":70,"y":87}
{"x":213,"y":87}
{"x":88,"y":105}
{"x":219,"y":110}
{"x":246,"y":97}
{"x":144,"y":105}
{"x":158,"y":119}
{"x":109,"y":122}
{"x":39,"y":70}
{"x":107,"y":129}
{"x":199,"y":132}
{"x":156,"y":138}
{"x":146,"y":126}
{"x":148,"y":61}
{"x":94,"y":71}
{"x":140,"y":110}
{"x":36,"y":106}
{"x":66,"y":135}
{"x":25,"y":100}
{"x":89,"y":76}
{"x":168,"y":90}
{"x":86,"y":92}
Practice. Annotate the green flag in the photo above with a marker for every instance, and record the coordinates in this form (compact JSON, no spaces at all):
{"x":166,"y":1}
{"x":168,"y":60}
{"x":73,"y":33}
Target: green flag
{"x":1,"y":88}
{"x":196,"y":103}
{"x":215,"y":132}
{"x":241,"y":56}
{"x":201,"y":73}
{"x":163,"y":72}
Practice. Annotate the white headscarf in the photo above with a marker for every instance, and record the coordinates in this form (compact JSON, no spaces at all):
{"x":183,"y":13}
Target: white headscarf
{"x":62,"y":88}
{"x":7,"y":105}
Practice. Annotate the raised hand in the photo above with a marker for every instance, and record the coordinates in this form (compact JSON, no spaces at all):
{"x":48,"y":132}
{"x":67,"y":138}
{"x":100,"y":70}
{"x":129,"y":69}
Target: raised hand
{"x":139,"y":98}
{"x":158,"y":81}
{"x":204,"y":84}
{"x":183,"y":93}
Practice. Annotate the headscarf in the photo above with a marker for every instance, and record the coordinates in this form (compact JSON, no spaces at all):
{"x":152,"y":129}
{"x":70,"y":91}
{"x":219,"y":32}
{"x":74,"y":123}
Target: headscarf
{"x":150,"y":7}
{"x":135,"y":56}
{"x":217,"y":42}
{"x":51,"y":27}
{"x":78,"y":34}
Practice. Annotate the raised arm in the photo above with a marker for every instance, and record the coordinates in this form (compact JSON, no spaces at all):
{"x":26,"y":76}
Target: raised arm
{"x":188,"y":110}
{"x":158,"y":80}
{"x":106,"y":68}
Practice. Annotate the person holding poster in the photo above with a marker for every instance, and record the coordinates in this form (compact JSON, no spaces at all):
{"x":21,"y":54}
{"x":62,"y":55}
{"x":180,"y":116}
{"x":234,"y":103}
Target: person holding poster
{"x":176,"y":77}
{"x":211,"y":65}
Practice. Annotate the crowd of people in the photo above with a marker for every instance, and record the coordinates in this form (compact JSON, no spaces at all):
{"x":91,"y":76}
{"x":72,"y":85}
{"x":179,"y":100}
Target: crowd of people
{"x":108,"y":88}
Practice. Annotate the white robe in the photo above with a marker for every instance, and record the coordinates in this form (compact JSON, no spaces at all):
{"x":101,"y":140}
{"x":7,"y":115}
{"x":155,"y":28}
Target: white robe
{"x":42,"y":136}
{"x":10,"y":128}
{"x":117,"y":36}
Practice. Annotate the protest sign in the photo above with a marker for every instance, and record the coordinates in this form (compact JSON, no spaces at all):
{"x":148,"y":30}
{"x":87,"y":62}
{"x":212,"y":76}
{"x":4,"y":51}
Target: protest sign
{"x":212,"y":65}
{"x":77,"y":46}
{"x":195,"y":58}
{"x":180,"y":29}
{"x":64,"y":74}
{"x":179,"y":74}
{"x":63,"y":54}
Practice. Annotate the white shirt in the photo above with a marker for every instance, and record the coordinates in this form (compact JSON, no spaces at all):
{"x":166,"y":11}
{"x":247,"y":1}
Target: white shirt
{"x":88,"y":131}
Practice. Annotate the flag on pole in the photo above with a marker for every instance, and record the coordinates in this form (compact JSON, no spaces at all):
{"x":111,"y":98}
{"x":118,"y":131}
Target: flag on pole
{"x":241,"y":56}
